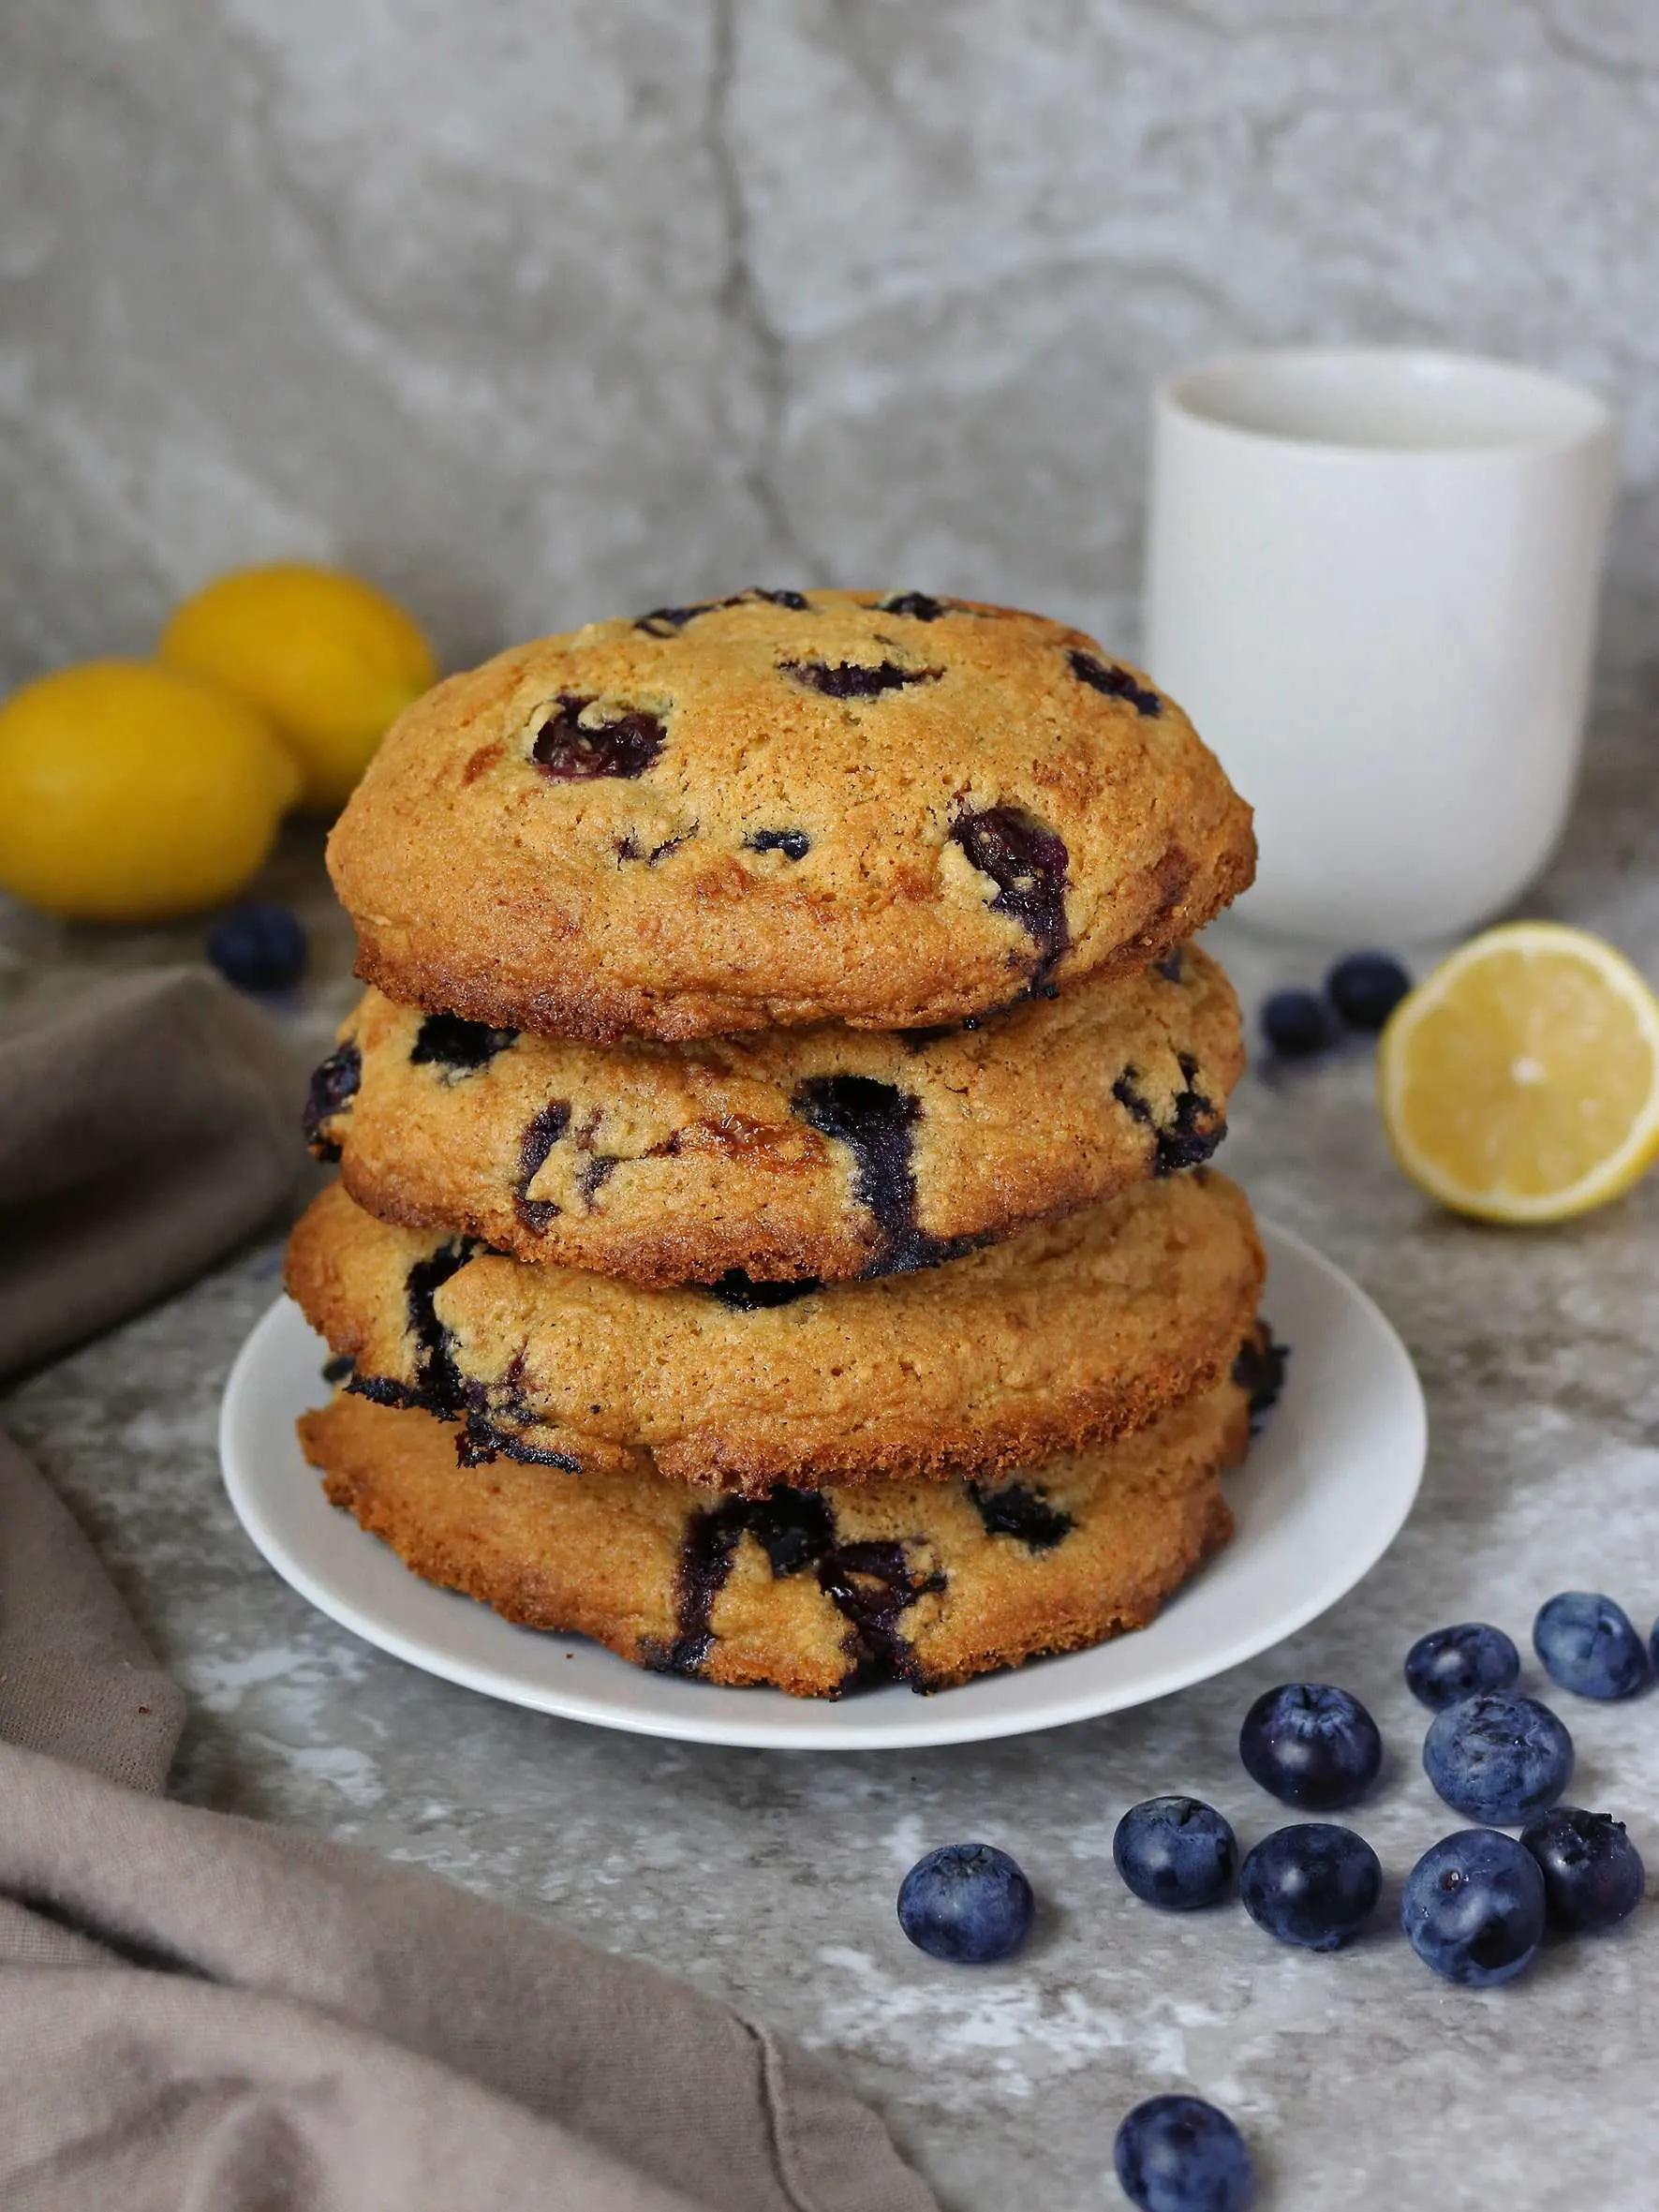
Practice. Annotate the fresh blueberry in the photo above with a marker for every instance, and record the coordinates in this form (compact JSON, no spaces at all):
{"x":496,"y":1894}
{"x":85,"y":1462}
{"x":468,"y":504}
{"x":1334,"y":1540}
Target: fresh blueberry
{"x":1295,"y":1025}
{"x":1473,"y":1908}
{"x":1364,"y":988}
{"x":1178,"y":2153}
{"x":1175,"y":1851}
{"x":1314,"y":1884}
{"x":1451,"y":1664}
{"x":1594,"y":1875}
{"x":258,"y":947}
{"x":1311,"y":1746}
{"x":1498,"y":1759}
{"x":968,"y":1903}
{"x":1586,"y":1643}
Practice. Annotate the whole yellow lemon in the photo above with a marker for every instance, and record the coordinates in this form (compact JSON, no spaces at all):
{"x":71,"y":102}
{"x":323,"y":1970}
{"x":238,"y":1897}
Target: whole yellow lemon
{"x":130,"y":792}
{"x":330,"y":659}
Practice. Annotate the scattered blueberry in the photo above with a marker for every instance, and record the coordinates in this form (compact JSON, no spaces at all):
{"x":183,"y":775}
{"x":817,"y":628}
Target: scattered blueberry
{"x":1586,"y":1643}
{"x":1311,"y":1746}
{"x":1594,"y":1875}
{"x":1314,"y":1884}
{"x":1451,"y":1664}
{"x":1498,"y":1759}
{"x":968,"y":1903}
{"x":1473,"y":1908}
{"x":258,"y":947}
{"x":1364,"y":988}
{"x":1295,"y":1025}
{"x":1175,"y":1851}
{"x":1178,"y":2153}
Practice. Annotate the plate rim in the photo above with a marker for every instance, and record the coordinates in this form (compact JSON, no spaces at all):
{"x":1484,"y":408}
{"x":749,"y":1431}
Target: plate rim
{"x":933,"y":1724}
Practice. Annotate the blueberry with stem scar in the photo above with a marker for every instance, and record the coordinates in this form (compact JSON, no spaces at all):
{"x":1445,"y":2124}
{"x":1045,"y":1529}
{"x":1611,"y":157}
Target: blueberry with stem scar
{"x":1175,"y":1852}
{"x":968,"y":1903}
{"x":1310,"y":1745}
{"x":1589,"y":1646}
{"x":1473,"y":1908}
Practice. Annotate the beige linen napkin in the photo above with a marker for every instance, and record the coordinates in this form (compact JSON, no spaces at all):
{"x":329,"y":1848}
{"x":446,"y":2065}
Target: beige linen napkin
{"x":200,"y":2012}
{"x":145,"y":1125}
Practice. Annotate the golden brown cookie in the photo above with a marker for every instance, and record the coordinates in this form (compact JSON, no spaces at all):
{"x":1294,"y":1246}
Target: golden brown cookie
{"x":824,"y":1151}
{"x":782,"y":808}
{"x":816,"y":1590}
{"x":1067,"y":1334}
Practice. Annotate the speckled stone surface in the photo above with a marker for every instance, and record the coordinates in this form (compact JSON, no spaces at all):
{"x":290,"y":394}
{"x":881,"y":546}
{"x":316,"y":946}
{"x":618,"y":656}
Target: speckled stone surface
{"x":541,"y":313}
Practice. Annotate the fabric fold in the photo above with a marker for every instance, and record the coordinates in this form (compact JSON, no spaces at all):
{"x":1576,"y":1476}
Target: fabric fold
{"x":145,"y":1126}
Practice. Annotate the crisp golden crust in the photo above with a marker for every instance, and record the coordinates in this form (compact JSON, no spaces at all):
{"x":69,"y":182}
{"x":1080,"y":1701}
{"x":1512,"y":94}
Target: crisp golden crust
{"x":1066,"y":1335}
{"x":824,"y":1151}
{"x":935,"y":1582}
{"x":644,"y":878}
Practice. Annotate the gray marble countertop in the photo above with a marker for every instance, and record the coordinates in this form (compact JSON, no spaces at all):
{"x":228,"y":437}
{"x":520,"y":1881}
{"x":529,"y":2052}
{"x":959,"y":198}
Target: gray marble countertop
{"x":769,"y":1879}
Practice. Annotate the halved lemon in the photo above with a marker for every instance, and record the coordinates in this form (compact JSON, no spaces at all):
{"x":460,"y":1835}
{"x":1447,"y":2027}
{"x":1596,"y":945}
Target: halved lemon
{"x":1519,"y":1082}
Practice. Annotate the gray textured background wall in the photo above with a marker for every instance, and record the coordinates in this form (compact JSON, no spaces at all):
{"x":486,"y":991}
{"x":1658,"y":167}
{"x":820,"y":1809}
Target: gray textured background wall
{"x":541,"y":311}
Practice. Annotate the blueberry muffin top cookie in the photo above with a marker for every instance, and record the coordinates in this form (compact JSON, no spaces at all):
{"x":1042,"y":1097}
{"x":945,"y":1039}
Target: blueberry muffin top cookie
{"x":824,"y":1151}
{"x":1067,"y":1333}
{"x":818,"y":1592}
{"x":781,"y":808}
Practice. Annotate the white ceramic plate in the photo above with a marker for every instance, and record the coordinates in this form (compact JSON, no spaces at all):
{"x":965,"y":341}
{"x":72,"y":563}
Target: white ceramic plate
{"x":1320,"y":1499}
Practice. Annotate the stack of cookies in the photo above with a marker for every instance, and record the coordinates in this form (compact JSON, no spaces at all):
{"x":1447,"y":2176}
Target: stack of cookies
{"x":773,"y":1235}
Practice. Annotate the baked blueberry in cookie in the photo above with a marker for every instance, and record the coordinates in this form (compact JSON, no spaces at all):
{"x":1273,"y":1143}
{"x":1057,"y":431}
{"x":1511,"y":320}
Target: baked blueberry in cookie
{"x":461,"y":1047}
{"x":848,"y":680}
{"x":1115,"y":683}
{"x":744,"y":1295}
{"x":333,"y":1085}
{"x":1028,"y":864}
{"x":1015,"y":1509}
{"x":916,"y":604}
{"x":568,"y":749}
{"x":541,"y":1133}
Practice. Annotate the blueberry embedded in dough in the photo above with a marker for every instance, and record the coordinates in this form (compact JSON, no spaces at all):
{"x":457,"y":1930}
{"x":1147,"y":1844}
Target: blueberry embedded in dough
{"x":1115,"y":683}
{"x":457,"y":1047}
{"x":437,"y":1379}
{"x":743,"y":1295}
{"x":1017,"y":1509}
{"x":795,"y":844}
{"x":1028,"y":862}
{"x":847,"y":679}
{"x":916,"y":604}
{"x":333,"y":1086}
{"x":540,"y":1135}
{"x":569,"y":749}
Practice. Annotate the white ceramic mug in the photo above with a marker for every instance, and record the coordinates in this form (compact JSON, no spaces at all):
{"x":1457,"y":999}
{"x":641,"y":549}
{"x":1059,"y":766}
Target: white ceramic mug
{"x":1372,"y":580}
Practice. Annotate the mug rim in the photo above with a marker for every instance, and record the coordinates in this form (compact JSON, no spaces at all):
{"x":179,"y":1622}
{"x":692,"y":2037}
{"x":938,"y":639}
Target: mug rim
{"x":1178,"y":396}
